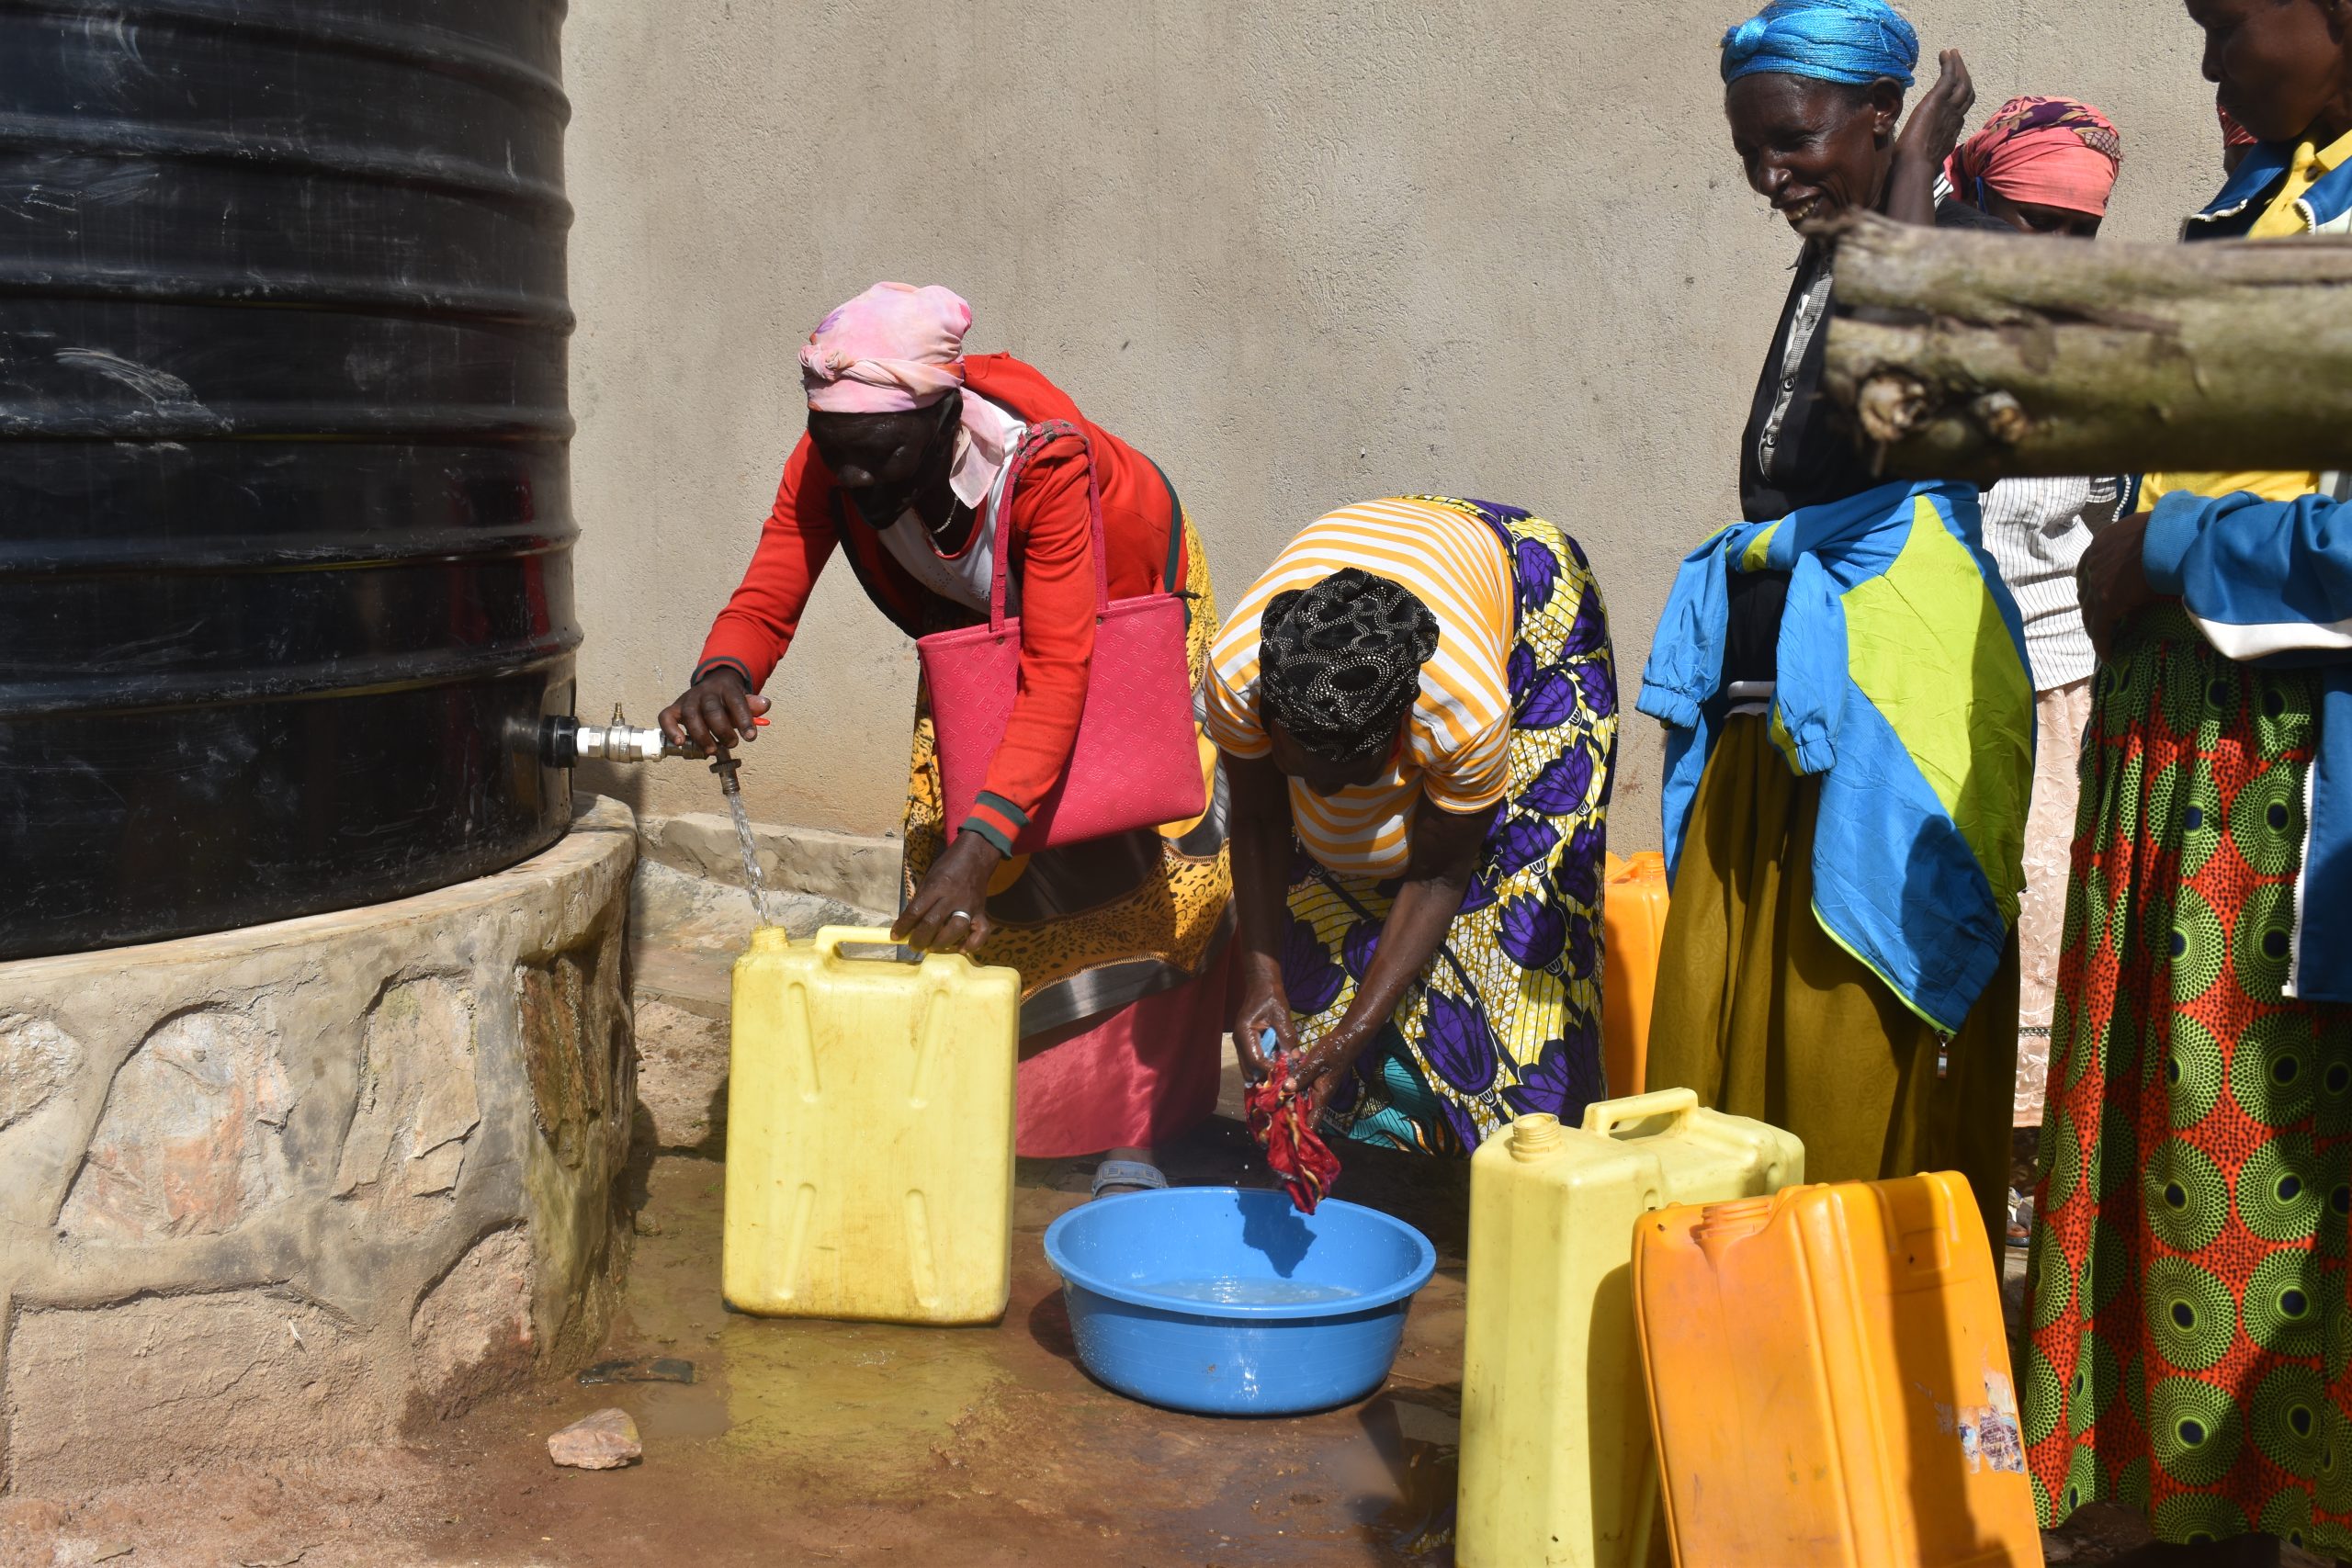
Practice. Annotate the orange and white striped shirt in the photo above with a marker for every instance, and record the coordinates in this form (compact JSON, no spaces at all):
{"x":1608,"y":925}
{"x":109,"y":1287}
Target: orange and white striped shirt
{"x":1458,"y":750}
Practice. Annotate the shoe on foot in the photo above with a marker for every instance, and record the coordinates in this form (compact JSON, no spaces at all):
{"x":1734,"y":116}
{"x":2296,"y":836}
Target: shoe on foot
{"x":1126,"y":1175}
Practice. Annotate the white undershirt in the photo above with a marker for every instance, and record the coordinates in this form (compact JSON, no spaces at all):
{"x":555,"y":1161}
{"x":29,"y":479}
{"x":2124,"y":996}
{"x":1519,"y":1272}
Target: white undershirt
{"x":985,"y":442}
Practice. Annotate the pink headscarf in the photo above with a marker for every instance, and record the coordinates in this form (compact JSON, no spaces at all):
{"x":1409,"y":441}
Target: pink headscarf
{"x":893,"y":348}
{"x":2050,"y":152}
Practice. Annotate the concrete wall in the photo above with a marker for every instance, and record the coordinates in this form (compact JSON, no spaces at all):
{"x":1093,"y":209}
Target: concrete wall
{"x":1301,"y":253}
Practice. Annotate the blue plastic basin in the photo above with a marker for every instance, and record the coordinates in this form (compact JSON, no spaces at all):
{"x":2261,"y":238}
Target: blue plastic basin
{"x":1231,"y":1302}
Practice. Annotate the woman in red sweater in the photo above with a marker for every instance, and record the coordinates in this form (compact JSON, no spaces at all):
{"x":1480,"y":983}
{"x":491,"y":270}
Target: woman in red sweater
{"x":1121,"y":942}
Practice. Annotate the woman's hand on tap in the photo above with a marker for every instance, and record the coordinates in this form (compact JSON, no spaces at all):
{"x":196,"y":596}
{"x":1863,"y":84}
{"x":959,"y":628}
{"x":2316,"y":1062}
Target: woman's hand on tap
{"x":721,"y":709}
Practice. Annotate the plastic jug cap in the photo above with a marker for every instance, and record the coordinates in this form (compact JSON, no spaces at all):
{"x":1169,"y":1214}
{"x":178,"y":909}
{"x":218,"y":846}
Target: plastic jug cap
{"x":1534,"y":1136}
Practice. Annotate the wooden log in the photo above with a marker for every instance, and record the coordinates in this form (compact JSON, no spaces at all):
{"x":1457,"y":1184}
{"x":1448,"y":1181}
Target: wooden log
{"x":1976,"y":355}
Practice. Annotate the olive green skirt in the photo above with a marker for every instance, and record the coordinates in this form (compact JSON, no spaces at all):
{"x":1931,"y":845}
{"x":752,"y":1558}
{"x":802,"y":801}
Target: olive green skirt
{"x":1765,"y":1015}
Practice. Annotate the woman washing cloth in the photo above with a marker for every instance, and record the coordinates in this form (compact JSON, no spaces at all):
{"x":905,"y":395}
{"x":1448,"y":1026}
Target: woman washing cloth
{"x":1417,"y":715}
{"x":909,"y":470}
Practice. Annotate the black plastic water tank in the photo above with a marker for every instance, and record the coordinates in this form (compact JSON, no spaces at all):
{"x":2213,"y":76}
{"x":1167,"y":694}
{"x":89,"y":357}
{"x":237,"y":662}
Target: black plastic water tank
{"x":284,"y":524}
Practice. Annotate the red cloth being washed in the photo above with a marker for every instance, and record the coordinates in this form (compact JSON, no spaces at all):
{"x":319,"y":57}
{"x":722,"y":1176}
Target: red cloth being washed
{"x":1295,"y":1151}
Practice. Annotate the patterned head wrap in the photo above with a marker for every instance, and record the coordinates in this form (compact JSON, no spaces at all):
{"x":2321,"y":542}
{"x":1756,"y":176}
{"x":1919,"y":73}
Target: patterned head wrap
{"x":1339,"y":664}
{"x":1854,"y":41}
{"x":2050,"y":152}
{"x":892,"y":349}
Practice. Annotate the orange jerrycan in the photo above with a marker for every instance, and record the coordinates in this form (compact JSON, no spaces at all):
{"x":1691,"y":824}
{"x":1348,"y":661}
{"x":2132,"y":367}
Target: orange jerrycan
{"x":1828,"y":1380}
{"x":1633,"y":927}
{"x":869,"y":1134}
{"x":1556,"y":1438}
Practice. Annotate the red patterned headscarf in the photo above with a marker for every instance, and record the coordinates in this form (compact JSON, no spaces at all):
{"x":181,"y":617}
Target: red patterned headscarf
{"x":2050,"y":152}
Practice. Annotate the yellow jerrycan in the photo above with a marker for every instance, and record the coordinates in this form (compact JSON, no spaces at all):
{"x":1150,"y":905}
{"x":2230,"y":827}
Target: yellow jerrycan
{"x":869,"y":1134}
{"x":1829,"y":1383}
{"x":1556,"y":1438}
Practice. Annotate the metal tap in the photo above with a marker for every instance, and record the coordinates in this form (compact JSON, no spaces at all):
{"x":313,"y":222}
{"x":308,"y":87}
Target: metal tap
{"x":727,"y":768}
{"x":566,"y":742}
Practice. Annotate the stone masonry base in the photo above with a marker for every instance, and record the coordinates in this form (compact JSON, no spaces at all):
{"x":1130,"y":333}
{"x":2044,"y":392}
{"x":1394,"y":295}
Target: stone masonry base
{"x":275,"y":1191}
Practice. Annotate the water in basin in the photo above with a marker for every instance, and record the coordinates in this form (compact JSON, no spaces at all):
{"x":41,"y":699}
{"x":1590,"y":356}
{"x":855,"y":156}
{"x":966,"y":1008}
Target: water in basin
{"x":1249,"y":1293}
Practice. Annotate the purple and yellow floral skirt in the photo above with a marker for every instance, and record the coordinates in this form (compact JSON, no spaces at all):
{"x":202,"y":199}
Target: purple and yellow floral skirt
{"x":1505,"y":1019}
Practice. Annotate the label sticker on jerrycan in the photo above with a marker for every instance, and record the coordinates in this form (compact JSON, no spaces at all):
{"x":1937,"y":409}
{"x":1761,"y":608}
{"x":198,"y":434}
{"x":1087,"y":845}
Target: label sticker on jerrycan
{"x":1989,"y":1433}
{"x":869,"y":1138}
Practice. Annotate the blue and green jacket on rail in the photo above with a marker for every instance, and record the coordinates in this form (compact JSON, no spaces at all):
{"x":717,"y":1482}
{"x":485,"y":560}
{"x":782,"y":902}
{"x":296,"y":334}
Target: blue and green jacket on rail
{"x":1903,"y":683}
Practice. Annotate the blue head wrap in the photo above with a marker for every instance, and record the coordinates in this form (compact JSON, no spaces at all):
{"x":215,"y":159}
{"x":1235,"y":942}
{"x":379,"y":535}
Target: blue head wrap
{"x":1855,"y":41}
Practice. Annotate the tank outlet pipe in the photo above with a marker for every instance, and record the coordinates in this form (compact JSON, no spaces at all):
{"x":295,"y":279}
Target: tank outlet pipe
{"x":565,"y":742}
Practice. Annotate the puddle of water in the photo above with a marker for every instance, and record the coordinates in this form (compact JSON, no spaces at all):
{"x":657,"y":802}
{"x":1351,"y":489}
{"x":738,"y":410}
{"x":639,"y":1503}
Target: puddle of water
{"x":865,"y":1399}
{"x":998,"y":1424}
{"x":1249,"y":1293}
{"x":839,"y":1403}
{"x":687,"y":1412}
{"x":1420,"y":1433}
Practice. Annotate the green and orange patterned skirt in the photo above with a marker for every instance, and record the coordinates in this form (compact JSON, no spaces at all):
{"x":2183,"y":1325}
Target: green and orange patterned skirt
{"x":2190,"y":1348}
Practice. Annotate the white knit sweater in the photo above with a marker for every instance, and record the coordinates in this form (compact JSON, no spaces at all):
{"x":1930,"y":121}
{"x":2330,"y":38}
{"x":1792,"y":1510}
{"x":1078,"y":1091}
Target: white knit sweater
{"x":2036,"y":530}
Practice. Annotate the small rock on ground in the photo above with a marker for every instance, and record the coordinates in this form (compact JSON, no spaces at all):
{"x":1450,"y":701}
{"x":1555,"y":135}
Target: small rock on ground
{"x":606,"y":1440}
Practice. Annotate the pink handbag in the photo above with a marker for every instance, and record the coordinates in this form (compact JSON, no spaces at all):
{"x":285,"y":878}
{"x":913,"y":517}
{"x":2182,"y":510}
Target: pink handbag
{"x":1136,"y":760}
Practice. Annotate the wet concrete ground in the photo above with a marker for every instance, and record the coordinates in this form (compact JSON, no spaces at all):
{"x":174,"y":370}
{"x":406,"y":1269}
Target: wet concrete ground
{"x":803,"y":1442}
{"x":812,"y":1442}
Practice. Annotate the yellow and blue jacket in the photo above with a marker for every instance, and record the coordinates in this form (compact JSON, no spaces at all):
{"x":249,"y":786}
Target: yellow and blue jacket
{"x":1903,"y":683}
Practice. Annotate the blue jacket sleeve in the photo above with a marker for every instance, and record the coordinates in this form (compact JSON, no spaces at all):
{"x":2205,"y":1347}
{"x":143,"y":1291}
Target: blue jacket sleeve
{"x":2272,"y":581}
{"x":1686,"y":662}
{"x":1811,"y":685}
{"x":2263,"y":578}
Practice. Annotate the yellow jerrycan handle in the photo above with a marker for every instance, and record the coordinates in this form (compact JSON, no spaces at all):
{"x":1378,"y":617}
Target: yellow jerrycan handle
{"x":1608,"y":1115}
{"x":828,"y":940}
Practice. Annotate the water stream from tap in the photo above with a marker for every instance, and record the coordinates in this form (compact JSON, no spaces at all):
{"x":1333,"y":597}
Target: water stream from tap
{"x":726,"y":769}
{"x":751,"y":878}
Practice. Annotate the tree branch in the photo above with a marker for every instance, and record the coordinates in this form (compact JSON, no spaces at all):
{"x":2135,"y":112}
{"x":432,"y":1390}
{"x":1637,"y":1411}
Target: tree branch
{"x":1976,"y":355}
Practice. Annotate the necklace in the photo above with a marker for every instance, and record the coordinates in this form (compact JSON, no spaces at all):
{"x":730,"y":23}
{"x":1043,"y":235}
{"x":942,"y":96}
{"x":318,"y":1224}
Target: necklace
{"x":954,"y":532}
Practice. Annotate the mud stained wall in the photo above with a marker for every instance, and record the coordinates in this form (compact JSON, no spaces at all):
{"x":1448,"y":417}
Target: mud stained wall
{"x":1300,"y":254}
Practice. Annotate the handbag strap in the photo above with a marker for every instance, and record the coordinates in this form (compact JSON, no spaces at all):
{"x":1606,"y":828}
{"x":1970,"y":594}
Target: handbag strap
{"x":1167,"y":581}
{"x":1036,"y":440}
